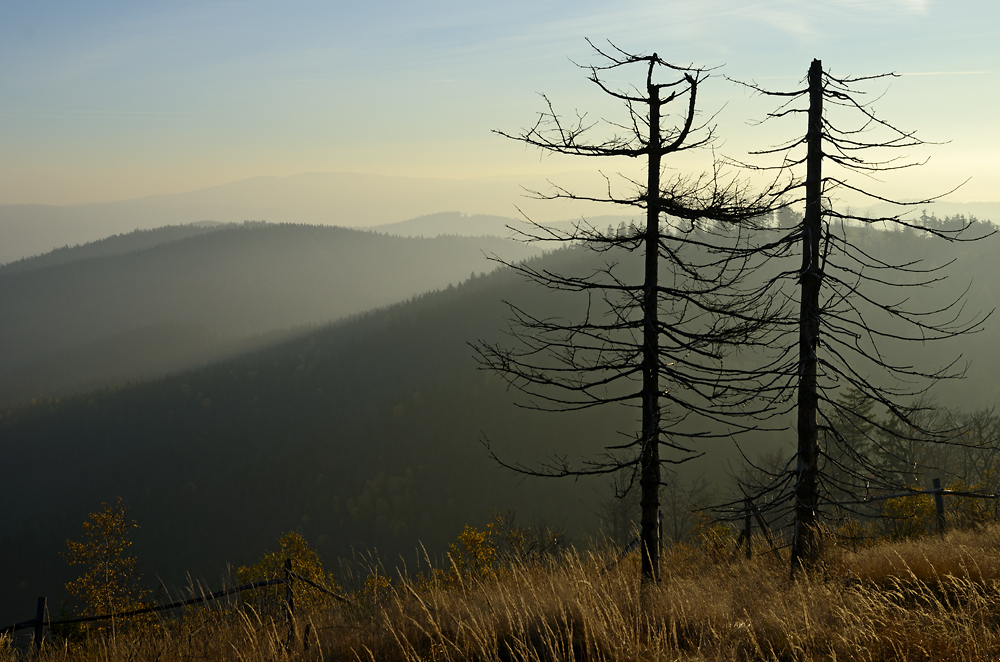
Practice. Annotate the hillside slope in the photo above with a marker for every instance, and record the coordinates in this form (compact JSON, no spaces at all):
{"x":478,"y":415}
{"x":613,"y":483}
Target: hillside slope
{"x":118,"y":244}
{"x":364,"y":434}
{"x":142,"y":304}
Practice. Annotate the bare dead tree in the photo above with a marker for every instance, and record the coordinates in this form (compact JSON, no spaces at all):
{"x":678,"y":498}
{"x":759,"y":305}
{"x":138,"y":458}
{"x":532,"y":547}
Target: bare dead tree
{"x":852,"y":307}
{"x":654,"y":339}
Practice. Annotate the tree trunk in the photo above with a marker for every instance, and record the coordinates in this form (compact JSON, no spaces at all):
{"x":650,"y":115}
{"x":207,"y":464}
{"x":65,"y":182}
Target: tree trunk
{"x":649,"y":480}
{"x":805,"y":536}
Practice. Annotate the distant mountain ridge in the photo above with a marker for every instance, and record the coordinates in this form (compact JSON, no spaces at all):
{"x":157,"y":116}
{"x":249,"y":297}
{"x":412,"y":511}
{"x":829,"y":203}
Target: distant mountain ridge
{"x":118,"y":244}
{"x":343,"y":199}
{"x":486,"y":225}
{"x":451,"y":223}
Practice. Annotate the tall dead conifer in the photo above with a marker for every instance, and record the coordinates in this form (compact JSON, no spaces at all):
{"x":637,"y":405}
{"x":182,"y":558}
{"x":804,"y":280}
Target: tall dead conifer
{"x":656,"y":344}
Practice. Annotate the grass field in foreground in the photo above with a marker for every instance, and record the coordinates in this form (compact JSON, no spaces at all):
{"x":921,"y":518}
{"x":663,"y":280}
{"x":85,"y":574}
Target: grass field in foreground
{"x":929,"y":599}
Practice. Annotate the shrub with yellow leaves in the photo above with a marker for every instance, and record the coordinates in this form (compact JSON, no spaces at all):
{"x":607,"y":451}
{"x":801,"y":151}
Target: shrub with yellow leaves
{"x":110,"y":580}
{"x":305,"y":562}
{"x":907,"y":517}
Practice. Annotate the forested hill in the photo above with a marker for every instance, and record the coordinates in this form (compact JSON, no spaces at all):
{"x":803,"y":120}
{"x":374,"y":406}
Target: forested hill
{"x":118,"y":244}
{"x":451,"y":223}
{"x":142,"y":304}
{"x":364,"y":433}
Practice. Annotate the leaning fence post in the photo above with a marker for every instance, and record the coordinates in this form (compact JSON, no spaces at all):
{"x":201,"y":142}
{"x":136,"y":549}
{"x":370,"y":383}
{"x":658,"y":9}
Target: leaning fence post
{"x":290,"y":600}
{"x":659,"y":536}
{"x":939,"y":505}
{"x":747,"y":525}
{"x":39,"y":622}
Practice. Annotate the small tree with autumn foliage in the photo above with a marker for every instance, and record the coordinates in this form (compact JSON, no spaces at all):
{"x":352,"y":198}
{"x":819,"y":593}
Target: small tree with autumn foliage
{"x":109,"y":583}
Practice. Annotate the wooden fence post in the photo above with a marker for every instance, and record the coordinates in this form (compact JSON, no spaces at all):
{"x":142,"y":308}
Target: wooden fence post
{"x":747,"y":525}
{"x":939,"y":505}
{"x":659,"y":535}
{"x":39,"y":623}
{"x":289,"y":595}
{"x":290,"y":601}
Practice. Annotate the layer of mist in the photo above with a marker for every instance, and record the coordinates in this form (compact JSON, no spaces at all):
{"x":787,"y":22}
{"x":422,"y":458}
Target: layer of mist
{"x":342,"y":199}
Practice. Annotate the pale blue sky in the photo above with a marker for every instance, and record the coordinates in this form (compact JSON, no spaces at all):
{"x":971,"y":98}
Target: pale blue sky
{"x":112,"y":100}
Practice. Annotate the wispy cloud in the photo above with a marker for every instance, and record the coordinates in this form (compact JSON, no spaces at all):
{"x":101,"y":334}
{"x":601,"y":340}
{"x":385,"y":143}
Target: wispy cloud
{"x":912,"y":6}
{"x":944,"y":73}
{"x":880,"y":7}
{"x":96,"y":114}
{"x":803,"y":21}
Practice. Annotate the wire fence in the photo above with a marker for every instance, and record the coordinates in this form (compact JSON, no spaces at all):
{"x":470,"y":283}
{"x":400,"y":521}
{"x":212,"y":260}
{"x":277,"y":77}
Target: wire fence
{"x":750,"y":513}
{"x":41,"y":620}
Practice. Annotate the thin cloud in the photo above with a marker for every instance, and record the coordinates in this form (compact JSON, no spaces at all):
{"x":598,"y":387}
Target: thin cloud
{"x":944,"y":73}
{"x":915,"y":6}
{"x":96,"y":114}
{"x":889,"y":7}
{"x":805,"y":22}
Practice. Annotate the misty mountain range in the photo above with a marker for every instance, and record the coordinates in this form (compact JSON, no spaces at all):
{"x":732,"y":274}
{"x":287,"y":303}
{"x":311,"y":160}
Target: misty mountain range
{"x":343,"y":199}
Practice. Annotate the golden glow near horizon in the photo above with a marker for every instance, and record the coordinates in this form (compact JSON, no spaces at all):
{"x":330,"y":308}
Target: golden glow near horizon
{"x":124,"y":100}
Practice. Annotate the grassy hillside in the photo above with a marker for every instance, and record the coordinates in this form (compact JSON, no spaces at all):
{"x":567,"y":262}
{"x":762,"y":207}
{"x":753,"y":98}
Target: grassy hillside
{"x":925,"y":600}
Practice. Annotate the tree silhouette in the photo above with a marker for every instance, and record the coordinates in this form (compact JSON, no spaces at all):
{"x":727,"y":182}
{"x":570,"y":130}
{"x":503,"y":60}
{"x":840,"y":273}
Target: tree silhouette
{"x":664,"y":300}
{"x":833,"y":359}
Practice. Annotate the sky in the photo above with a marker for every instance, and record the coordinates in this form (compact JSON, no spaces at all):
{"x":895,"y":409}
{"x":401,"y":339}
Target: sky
{"x":109,"y":100}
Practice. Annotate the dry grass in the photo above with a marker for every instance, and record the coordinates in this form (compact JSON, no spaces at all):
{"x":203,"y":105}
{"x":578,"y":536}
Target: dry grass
{"x":932,"y":599}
